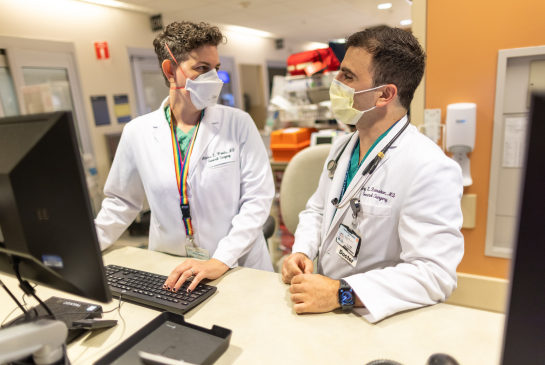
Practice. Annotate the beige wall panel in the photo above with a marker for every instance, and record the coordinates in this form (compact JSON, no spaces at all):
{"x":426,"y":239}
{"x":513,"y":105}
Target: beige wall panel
{"x":480,"y":292}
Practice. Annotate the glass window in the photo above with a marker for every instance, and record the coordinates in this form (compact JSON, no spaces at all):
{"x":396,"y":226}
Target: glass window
{"x":155,"y":90}
{"x":47,"y":90}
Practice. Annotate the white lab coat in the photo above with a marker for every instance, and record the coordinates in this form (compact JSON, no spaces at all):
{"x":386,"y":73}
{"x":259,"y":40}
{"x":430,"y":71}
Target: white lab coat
{"x":410,"y":219}
{"x":229,"y":202}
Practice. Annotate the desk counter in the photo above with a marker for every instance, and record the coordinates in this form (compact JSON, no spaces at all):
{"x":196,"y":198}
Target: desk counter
{"x":256,"y":306}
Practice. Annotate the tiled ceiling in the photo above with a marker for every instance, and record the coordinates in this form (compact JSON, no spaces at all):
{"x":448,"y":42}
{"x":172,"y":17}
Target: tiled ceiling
{"x":304,"y":20}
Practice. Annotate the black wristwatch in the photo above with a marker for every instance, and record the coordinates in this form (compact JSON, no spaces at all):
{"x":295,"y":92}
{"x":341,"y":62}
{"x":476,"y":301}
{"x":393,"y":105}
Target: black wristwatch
{"x":347,"y":297}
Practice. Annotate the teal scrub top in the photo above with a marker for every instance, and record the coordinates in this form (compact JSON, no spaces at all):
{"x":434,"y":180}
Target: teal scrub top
{"x":354,"y":164}
{"x":183,"y":138}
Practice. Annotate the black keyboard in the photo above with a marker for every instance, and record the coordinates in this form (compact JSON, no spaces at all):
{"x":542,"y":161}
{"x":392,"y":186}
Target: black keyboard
{"x":147,"y":289}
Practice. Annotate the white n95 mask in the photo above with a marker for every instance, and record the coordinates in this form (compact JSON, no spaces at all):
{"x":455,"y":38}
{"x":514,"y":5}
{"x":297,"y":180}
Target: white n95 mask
{"x":205,"y":89}
{"x":342,"y":99}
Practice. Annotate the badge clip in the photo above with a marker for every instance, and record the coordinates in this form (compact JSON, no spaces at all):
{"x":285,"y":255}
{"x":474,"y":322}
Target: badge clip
{"x":355,"y":205}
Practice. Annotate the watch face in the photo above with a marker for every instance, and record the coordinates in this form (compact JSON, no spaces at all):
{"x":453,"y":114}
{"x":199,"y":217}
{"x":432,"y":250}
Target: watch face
{"x":346,"y":297}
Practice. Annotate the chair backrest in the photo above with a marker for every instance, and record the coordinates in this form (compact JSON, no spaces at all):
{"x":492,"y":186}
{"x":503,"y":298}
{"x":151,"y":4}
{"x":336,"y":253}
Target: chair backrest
{"x":300,"y":181}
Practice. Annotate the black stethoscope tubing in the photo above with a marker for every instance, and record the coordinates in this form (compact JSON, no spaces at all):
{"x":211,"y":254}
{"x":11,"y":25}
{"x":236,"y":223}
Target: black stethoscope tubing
{"x":370,"y":168}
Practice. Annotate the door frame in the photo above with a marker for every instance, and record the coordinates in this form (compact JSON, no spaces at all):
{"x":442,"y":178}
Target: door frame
{"x":136,"y":72}
{"x":497,"y":157}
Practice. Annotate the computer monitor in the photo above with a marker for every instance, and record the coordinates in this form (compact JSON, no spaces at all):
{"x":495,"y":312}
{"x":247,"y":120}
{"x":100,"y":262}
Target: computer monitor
{"x":45,"y":213}
{"x":524,"y":336}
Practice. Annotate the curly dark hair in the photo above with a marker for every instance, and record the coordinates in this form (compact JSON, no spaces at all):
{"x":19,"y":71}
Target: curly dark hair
{"x":182,"y":38}
{"x":397,"y":59}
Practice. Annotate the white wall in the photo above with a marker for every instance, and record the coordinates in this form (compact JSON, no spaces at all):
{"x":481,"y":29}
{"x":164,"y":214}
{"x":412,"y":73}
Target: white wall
{"x":83,"y":23}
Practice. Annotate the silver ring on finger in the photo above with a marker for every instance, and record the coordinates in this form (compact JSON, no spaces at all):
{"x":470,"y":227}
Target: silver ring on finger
{"x":192,"y":272}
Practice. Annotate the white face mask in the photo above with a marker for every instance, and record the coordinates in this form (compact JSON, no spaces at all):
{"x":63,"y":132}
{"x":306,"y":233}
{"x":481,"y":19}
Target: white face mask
{"x":342,"y":99}
{"x":205,"y":89}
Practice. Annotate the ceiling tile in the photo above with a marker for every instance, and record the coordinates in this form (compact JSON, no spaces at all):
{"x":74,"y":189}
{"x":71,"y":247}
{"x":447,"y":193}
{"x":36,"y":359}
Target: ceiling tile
{"x":310,"y":20}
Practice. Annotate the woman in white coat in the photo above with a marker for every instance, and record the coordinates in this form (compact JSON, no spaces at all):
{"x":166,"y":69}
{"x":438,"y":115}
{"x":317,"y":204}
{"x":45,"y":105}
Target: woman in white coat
{"x":202,"y":166}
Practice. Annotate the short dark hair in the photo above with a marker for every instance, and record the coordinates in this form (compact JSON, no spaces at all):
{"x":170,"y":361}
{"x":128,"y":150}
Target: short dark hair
{"x":397,"y":58}
{"x":182,"y":38}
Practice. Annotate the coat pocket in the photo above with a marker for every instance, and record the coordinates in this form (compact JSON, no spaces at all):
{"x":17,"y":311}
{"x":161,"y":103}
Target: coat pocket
{"x":376,"y":210}
{"x":220,"y":165}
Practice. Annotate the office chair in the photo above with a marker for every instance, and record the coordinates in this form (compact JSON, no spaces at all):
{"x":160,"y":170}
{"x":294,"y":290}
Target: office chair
{"x":300,"y":181}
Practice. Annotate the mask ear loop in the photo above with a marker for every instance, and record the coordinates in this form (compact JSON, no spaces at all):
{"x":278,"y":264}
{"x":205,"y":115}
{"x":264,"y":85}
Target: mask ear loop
{"x":183,"y":73}
{"x":363,"y":91}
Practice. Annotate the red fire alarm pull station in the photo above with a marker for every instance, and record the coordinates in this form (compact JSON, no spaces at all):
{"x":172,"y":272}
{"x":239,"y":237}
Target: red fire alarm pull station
{"x":102,"y":50}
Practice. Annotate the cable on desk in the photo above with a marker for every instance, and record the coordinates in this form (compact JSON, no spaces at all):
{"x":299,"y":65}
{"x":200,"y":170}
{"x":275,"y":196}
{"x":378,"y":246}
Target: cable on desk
{"x":9,"y":315}
{"x":113,"y":344}
{"x":18,"y":306}
{"x":27,"y":315}
{"x":26,"y":305}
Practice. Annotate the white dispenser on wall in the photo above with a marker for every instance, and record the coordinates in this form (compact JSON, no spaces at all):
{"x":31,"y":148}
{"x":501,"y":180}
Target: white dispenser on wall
{"x":461,"y":126}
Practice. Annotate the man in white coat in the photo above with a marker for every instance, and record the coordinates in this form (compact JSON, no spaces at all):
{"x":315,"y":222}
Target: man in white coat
{"x":203,"y":167}
{"x":401,"y":219}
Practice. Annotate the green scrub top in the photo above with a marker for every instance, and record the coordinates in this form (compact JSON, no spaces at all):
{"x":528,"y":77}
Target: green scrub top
{"x":183,"y":138}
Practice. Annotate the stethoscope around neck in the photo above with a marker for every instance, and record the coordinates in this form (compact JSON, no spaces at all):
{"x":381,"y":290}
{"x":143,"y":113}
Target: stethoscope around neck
{"x":367,"y":171}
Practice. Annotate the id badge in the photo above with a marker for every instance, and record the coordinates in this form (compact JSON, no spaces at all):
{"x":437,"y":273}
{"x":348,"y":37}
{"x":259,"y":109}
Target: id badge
{"x":197,"y":253}
{"x":348,"y":241}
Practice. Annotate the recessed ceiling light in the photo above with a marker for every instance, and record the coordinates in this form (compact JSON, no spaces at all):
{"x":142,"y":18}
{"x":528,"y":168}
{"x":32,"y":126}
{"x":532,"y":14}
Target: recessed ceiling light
{"x":406,"y":22}
{"x":122,"y":5}
{"x":249,"y":31}
{"x":385,"y":6}
{"x":340,"y":40}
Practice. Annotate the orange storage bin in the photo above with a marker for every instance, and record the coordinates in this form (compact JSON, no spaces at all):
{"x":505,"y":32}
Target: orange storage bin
{"x":285,"y":143}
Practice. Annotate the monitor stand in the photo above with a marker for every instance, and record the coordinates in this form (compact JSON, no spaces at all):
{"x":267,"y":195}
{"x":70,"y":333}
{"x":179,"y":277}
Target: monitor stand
{"x":42,"y":337}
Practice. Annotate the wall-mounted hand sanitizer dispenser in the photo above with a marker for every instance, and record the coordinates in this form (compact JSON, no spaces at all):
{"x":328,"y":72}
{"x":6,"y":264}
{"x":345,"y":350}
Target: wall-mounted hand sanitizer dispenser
{"x":461,"y":126}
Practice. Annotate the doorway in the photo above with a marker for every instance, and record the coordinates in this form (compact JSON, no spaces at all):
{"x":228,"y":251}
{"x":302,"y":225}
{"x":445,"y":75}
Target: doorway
{"x":253,"y":93}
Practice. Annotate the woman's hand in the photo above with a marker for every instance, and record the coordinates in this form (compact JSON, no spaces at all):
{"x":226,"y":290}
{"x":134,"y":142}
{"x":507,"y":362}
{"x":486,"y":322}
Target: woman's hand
{"x":211,"y":269}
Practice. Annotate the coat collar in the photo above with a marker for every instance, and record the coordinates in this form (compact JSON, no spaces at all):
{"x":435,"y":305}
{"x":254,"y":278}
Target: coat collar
{"x":338,"y":179}
{"x":207,"y":131}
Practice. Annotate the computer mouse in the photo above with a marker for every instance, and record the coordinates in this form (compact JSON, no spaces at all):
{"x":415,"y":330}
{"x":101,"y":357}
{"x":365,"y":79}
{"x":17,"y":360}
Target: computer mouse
{"x":441,"y":359}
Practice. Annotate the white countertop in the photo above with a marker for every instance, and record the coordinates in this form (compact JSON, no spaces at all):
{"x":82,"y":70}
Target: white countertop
{"x":256,"y":306}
